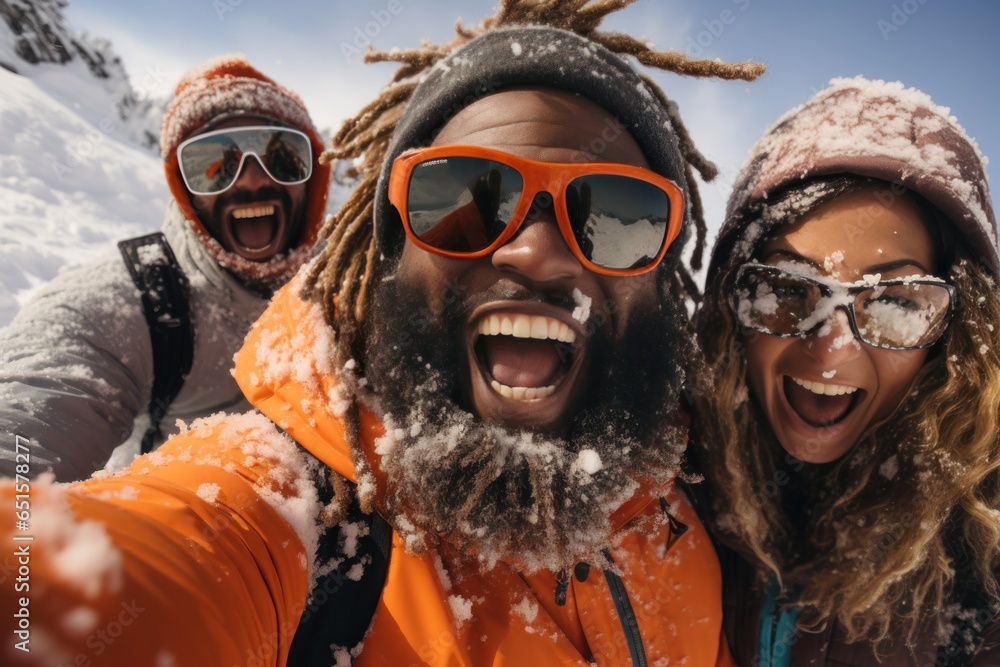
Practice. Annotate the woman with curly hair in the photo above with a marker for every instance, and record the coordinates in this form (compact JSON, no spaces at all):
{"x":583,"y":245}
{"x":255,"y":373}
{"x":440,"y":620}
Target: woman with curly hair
{"x":851,"y":433}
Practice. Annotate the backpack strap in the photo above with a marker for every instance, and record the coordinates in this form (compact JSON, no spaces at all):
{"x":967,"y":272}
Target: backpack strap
{"x":165,"y":291}
{"x":340,"y":608}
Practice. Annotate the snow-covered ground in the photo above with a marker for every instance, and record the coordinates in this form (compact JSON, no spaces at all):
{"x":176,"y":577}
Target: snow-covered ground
{"x":71,"y":183}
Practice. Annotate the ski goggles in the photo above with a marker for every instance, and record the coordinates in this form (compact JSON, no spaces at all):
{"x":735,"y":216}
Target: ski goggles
{"x":468,"y":201}
{"x":211,"y":162}
{"x":903,"y":314}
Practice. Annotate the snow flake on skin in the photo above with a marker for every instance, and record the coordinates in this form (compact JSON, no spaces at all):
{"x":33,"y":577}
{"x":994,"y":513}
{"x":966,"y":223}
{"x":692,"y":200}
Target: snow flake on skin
{"x":583,"y":302}
{"x":833,"y":261}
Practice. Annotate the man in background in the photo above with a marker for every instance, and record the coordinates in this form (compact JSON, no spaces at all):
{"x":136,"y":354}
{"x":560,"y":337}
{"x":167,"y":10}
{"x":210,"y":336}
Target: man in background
{"x":128,"y":344}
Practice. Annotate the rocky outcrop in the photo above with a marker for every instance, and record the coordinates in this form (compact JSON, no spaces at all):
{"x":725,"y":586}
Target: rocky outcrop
{"x":38,"y":33}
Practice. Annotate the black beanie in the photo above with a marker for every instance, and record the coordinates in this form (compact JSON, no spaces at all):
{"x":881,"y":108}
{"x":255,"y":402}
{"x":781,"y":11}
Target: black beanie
{"x":530,"y":56}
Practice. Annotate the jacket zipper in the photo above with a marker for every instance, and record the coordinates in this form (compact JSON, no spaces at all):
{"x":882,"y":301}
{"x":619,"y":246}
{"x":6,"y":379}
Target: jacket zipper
{"x":630,"y":624}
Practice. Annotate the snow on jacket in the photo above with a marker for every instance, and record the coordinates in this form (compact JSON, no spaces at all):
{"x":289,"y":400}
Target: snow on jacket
{"x":76,"y":363}
{"x":214,"y":538}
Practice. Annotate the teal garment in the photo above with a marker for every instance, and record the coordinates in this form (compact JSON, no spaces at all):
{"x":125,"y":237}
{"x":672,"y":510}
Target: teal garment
{"x":777,"y":630}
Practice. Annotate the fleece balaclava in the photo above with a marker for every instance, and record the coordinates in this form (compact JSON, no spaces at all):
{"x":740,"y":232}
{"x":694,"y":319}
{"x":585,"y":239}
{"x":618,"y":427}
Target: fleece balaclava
{"x":872,"y":129}
{"x":229,"y":87}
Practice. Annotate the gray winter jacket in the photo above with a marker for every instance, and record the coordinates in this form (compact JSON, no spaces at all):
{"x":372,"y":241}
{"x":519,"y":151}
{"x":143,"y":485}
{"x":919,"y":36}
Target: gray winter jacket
{"x":76,"y":363}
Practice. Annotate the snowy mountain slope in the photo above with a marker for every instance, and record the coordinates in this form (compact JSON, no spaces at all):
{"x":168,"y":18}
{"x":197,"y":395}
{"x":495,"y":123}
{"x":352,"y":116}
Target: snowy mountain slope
{"x":92,"y":78}
{"x":68,"y":188}
{"x":78,"y":163}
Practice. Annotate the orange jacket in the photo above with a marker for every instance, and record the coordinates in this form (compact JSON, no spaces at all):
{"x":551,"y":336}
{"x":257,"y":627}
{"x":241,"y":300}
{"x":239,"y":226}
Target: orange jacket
{"x":199,"y":554}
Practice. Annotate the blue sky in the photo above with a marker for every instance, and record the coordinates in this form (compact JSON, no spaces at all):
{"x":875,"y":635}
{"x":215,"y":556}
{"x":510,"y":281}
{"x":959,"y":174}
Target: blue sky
{"x":946,"y":48}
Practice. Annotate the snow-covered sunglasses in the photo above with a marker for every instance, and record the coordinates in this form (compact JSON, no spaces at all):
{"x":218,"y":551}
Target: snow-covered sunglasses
{"x":210,"y":163}
{"x":468,"y":201}
{"x":901,"y":314}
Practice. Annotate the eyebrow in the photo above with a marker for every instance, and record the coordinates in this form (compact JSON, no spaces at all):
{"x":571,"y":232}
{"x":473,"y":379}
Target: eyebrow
{"x":790,"y":255}
{"x":877,"y":268}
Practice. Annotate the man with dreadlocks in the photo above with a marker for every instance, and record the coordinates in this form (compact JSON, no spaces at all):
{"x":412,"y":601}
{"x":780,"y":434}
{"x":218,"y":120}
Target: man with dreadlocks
{"x":483,"y":374}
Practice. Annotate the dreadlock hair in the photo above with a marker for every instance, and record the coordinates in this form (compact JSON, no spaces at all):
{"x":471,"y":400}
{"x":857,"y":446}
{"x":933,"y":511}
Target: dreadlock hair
{"x":339,"y":278}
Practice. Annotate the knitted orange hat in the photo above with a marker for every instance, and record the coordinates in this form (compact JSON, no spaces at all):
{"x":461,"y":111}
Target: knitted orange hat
{"x":229,"y":87}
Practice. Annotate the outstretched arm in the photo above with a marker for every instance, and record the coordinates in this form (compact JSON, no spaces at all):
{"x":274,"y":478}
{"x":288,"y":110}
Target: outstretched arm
{"x":194,"y":556}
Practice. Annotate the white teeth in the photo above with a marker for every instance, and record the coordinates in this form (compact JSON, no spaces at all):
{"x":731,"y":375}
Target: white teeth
{"x":520,"y":325}
{"x":522,"y":393}
{"x":539,"y":328}
{"x":554,"y":328}
{"x":824,"y":389}
{"x":253,"y":211}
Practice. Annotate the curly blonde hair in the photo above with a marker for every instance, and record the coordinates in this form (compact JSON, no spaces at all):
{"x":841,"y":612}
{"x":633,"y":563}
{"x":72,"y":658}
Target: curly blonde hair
{"x":875,"y":552}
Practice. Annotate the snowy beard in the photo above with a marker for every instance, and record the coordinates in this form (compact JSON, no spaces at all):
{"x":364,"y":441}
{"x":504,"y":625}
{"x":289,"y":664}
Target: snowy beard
{"x":534,"y":500}
{"x":261,"y":277}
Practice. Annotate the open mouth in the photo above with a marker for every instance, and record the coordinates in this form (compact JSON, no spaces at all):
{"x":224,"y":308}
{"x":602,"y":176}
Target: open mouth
{"x":255,"y":230}
{"x":526,"y":362}
{"x":524,"y":357}
{"x":820,"y":404}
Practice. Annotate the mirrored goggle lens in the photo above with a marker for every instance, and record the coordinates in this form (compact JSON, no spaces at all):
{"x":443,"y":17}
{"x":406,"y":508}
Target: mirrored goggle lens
{"x":463,"y":204}
{"x":902,"y":315}
{"x":775,"y":302}
{"x":211,"y":163}
{"x":894,"y":315}
{"x":619,"y":222}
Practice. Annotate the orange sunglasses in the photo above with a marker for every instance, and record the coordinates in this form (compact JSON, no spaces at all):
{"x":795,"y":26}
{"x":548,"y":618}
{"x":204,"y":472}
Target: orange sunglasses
{"x":468,"y":201}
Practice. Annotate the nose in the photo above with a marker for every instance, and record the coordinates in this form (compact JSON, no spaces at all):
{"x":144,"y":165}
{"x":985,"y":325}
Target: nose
{"x":252,"y":174}
{"x":538,"y":250}
{"x":834,"y":342}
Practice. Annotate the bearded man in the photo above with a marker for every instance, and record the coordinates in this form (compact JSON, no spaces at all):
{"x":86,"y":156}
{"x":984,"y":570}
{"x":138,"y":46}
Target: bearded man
{"x":483,"y":371}
{"x":119,"y":349}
